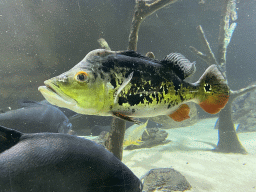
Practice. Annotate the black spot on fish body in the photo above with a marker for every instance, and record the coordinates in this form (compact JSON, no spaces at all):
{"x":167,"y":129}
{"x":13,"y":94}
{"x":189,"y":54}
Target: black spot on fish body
{"x":171,"y":104}
{"x":135,"y":99}
{"x":181,"y":97}
{"x":122,"y":100}
{"x":157,"y":98}
{"x":102,"y":75}
{"x":95,"y":75}
{"x":177,"y":87}
{"x":148,"y":99}
{"x":113,"y":80}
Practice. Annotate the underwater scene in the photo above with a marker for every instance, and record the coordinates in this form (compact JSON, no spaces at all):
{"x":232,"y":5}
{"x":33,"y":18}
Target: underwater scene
{"x":127,"y":95}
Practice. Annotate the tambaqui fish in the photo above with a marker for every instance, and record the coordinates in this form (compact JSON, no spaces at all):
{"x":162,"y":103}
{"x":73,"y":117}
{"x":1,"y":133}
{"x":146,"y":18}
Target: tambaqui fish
{"x":126,"y":84}
{"x":36,"y":117}
{"x":58,"y":162}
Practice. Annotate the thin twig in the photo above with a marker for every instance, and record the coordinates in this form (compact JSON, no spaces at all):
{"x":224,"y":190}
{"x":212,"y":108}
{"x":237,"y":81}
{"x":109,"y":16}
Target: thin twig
{"x":209,"y":57}
{"x":199,"y":54}
{"x":209,"y":54}
{"x":240,"y":92}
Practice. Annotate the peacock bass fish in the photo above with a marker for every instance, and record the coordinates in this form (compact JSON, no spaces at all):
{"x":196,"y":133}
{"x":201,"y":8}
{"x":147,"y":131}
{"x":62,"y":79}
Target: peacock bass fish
{"x":126,"y":84}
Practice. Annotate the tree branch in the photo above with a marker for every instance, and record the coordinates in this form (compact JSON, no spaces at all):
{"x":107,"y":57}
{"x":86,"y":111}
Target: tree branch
{"x":209,"y":54}
{"x":141,"y":11}
{"x":240,"y":92}
{"x":225,"y":31}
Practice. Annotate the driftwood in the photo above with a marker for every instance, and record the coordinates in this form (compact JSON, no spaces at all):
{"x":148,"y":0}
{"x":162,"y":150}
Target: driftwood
{"x":228,"y":139}
{"x":114,"y":142}
{"x":142,"y":9}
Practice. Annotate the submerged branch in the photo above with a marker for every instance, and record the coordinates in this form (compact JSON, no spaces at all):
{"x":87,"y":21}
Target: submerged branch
{"x":141,"y":11}
{"x":209,"y":54}
{"x":209,"y":57}
{"x":199,"y":54}
{"x":114,"y":142}
{"x":226,"y":30}
{"x":240,"y":92}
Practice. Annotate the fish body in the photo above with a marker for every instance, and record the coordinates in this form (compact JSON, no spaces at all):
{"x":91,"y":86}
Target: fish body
{"x":134,"y":133}
{"x":60,"y":162}
{"x":126,"y":84}
{"x":36,"y":117}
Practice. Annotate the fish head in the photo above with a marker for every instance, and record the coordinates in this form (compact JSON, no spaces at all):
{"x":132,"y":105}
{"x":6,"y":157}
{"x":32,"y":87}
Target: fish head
{"x":80,"y":89}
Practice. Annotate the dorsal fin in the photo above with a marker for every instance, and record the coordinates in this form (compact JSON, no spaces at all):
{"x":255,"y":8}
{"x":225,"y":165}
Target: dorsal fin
{"x":180,"y":65}
{"x":8,"y":138}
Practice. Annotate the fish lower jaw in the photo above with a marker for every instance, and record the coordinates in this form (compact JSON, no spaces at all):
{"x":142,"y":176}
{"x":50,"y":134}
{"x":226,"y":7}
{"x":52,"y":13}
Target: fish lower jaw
{"x":56,"y":98}
{"x":87,"y":111}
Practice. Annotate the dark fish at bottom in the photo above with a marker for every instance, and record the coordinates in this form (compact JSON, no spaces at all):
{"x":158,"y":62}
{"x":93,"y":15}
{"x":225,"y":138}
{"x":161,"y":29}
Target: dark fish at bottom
{"x":43,"y":162}
{"x":126,"y":84}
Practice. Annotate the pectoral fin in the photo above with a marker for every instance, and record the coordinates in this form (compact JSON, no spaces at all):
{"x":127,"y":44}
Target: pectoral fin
{"x":125,"y":82}
{"x":182,"y":113}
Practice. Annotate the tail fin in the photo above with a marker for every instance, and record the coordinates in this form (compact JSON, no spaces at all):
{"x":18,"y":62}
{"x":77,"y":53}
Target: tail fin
{"x":213,"y":91}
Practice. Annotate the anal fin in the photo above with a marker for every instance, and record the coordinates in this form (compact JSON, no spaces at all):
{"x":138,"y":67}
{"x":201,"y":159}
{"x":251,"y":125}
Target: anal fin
{"x":181,"y":114}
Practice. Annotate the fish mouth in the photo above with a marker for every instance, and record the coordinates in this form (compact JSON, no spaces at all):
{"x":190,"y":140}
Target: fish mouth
{"x":51,"y":89}
{"x":53,"y":94}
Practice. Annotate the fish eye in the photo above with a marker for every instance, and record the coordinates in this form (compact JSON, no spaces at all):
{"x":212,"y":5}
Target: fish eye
{"x":81,"y":76}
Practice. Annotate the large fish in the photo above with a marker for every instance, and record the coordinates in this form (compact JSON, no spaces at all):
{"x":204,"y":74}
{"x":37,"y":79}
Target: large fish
{"x":43,"y":162}
{"x":36,"y":117}
{"x":126,"y":84}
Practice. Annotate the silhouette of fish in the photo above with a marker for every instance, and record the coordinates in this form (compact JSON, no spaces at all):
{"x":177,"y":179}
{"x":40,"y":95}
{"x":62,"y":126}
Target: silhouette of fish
{"x":35,"y":117}
{"x":56,"y":162}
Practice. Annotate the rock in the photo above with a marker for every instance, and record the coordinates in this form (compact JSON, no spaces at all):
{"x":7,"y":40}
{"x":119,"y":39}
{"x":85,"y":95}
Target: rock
{"x":164,"y":179}
{"x":154,"y":137}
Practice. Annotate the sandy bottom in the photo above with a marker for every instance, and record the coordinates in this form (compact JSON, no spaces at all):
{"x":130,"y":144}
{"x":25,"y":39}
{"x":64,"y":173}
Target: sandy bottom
{"x":205,"y":170}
